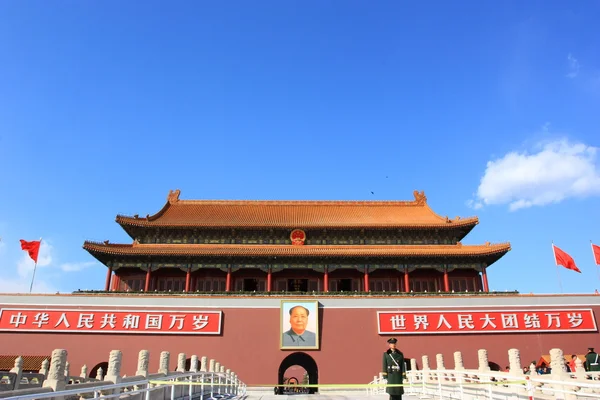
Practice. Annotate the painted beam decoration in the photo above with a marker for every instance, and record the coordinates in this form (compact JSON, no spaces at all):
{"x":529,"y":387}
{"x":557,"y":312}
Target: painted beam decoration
{"x":111,"y":321}
{"x":486,"y":321}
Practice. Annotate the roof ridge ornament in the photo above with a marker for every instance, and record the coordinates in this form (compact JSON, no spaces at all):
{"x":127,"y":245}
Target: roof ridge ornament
{"x":173,"y":196}
{"x":420,"y":198}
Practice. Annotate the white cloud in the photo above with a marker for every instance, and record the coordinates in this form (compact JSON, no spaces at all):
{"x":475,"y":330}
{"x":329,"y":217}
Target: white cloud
{"x":573,"y":67}
{"x":556,"y":171}
{"x":71,"y":267}
{"x":22,"y":286}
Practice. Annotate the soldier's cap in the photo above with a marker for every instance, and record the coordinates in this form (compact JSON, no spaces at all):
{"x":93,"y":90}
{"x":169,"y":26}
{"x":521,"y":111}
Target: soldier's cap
{"x":392,"y":340}
{"x":590,"y":349}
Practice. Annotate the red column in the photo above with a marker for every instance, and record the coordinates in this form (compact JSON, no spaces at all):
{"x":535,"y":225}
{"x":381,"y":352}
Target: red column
{"x":147,"y":285}
{"x":366,"y":281}
{"x":446,"y":282}
{"x":228,"y":280}
{"x":269,"y":280}
{"x":108,"y":279}
{"x":406,"y":282}
{"x":485,"y":281}
{"x":188,"y":277}
{"x":326,"y":281}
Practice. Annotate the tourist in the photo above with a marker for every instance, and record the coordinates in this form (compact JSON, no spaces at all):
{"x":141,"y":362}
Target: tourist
{"x":591,"y":360}
{"x":572,"y":365}
{"x":394,"y":369}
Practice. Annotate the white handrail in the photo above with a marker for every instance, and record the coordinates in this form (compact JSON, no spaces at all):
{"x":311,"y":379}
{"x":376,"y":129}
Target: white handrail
{"x":145,"y":385}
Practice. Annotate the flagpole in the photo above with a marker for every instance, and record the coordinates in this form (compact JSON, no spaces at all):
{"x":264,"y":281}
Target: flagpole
{"x":557,"y":272}
{"x":34,"y":268}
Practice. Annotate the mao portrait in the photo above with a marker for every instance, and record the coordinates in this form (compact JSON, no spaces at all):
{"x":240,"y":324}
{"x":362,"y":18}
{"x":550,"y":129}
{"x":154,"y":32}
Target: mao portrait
{"x":299,"y":324}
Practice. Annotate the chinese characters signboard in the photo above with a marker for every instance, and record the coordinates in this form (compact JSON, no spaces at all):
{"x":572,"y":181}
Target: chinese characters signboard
{"x":482,"y":321}
{"x":121,"y":321}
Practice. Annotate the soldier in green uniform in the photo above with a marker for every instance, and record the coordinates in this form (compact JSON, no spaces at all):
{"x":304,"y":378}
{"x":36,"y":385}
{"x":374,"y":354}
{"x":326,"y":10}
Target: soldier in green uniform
{"x":394,"y":370}
{"x":592,"y":361}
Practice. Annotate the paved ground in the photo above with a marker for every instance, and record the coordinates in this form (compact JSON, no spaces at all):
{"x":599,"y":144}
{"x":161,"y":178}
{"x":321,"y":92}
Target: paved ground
{"x":328,"y":396}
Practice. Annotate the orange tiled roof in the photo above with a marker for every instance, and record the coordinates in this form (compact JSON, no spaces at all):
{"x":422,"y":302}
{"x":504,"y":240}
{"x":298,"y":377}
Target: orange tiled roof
{"x":296,"y":214}
{"x":241,"y":250}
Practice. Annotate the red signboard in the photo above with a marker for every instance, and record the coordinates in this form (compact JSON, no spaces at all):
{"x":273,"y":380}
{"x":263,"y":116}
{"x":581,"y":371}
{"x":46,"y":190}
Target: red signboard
{"x":486,"y":321}
{"x":111,"y":321}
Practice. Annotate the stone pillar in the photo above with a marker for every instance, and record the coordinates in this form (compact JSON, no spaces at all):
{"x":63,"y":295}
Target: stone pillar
{"x":83,"y":371}
{"x":413,"y":364}
{"x":18,"y":369}
{"x":559,"y":372}
{"x":217,"y":367}
{"x":228,"y":380}
{"x":44,"y":369}
{"x":67,"y":369}
{"x":143,"y":363}
{"x":211,"y":365}
{"x":222,"y":370}
{"x":113,"y":372}
{"x":194,"y":363}
{"x":56,"y":374}
{"x":514,"y":362}
{"x":425,"y":362}
{"x":579,"y":369}
{"x":100,"y":374}
{"x":458,"y":361}
{"x":180,"y":362}
{"x":439,"y":359}
{"x":484,"y":364}
{"x":163,"y":366}
{"x":203,"y":366}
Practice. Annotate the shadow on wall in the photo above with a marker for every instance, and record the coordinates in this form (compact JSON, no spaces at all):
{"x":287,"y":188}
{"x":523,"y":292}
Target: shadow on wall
{"x":493,"y":366}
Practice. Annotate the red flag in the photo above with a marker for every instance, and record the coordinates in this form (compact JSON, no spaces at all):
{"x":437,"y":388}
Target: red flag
{"x":33,"y":248}
{"x":564,"y":259}
{"x":596,"y":251}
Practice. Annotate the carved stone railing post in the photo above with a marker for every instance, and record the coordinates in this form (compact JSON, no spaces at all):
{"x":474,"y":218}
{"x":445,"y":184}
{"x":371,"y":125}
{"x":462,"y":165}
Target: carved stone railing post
{"x":194,"y":363}
{"x":426,"y":374}
{"x":113,"y":372}
{"x":143,"y":365}
{"x":211,"y":365}
{"x":559,"y":372}
{"x":579,"y":369}
{"x":222,"y":370}
{"x":413,"y":364}
{"x":203,"y":366}
{"x":217,"y":367}
{"x":514,"y":362}
{"x":163,"y":366}
{"x":83,"y":371}
{"x":228,"y":380}
{"x":439,"y":360}
{"x":67,"y":369}
{"x":44,"y":369}
{"x":180,"y":362}
{"x":100,"y":374}
{"x":484,"y":364}
{"x":18,"y":369}
{"x":56,"y":374}
{"x":458,"y":361}
{"x":425,"y":362}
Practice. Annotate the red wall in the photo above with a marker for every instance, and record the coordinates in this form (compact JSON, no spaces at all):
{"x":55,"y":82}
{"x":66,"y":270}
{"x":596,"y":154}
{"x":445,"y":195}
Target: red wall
{"x":351,"y":349}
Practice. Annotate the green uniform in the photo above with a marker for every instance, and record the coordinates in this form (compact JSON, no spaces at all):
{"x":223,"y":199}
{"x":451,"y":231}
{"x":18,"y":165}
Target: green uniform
{"x":592,"y":361}
{"x":393,"y":366}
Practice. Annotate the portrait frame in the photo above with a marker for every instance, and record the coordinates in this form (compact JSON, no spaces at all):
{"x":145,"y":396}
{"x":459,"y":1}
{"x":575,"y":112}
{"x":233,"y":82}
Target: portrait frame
{"x":288,"y":339}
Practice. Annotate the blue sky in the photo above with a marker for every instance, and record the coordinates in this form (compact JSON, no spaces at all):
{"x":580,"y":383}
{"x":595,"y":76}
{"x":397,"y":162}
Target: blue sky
{"x":491,"y":108}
